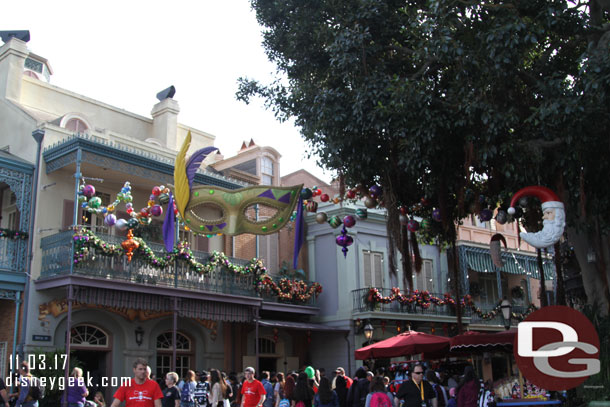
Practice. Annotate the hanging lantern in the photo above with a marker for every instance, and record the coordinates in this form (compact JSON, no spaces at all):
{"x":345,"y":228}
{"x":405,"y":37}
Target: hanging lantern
{"x":129,"y":245}
{"x":344,"y":240}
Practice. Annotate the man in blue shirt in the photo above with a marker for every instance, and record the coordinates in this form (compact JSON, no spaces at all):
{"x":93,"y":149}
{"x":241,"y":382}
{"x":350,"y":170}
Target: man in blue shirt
{"x":269,"y":400}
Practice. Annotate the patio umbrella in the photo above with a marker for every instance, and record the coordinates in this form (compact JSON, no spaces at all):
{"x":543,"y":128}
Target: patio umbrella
{"x":472,"y":341}
{"x":407,"y":343}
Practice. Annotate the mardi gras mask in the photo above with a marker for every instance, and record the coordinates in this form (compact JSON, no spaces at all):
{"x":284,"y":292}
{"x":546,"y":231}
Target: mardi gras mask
{"x":209,"y":209}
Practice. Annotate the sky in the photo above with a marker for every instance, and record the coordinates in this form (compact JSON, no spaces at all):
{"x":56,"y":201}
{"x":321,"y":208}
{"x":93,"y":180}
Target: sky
{"x":123,"y":52}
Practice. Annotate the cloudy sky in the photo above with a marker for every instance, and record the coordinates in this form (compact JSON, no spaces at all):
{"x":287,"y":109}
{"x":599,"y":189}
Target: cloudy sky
{"x":124,"y":52}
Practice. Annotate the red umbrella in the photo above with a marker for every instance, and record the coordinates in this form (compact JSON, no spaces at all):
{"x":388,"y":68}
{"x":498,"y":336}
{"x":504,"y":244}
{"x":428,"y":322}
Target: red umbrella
{"x":408,"y":343}
{"x":480,"y":341}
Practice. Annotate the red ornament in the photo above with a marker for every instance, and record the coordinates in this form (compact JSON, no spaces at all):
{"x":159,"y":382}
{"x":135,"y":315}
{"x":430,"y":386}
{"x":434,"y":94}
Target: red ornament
{"x":144,"y":212}
{"x":156,"y":191}
{"x":351,"y":194}
{"x":317,"y":192}
{"x":403,"y":210}
{"x":324,"y":198}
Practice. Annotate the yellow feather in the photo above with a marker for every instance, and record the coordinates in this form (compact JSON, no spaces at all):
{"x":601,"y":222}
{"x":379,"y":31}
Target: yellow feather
{"x":182,"y":190}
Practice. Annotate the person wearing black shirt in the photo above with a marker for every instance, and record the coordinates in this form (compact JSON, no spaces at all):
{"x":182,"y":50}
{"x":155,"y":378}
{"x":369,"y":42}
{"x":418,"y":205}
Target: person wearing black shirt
{"x":417,"y":392}
{"x":171,"y":394}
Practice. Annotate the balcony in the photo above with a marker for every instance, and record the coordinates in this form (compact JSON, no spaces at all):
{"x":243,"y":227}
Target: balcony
{"x":361,"y":305}
{"x":498,"y":320}
{"x":13,"y":255}
{"x":57,"y":259}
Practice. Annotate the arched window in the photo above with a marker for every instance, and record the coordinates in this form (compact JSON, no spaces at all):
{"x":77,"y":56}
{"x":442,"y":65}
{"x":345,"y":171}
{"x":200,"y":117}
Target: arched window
{"x":76,"y":125}
{"x":88,"y":336}
{"x":184,"y":353}
{"x":266,"y":346}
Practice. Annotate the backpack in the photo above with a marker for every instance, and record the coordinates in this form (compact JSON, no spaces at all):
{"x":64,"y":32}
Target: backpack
{"x":269,"y":390}
{"x":286,"y":403}
{"x":300,"y":404}
{"x":380,"y":399}
{"x":186,"y":396}
{"x":36,"y":390}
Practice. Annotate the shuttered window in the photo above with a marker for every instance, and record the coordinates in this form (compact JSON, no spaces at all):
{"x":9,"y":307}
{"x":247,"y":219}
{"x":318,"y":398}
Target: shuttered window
{"x":424,"y":280}
{"x":373,"y":269}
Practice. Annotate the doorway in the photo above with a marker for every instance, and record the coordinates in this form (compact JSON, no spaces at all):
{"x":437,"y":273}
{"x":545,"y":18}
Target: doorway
{"x":268,"y":364}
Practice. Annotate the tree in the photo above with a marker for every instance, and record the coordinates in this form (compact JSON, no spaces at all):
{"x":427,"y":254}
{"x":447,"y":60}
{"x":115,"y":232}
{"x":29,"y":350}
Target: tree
{"x":457,"y":102}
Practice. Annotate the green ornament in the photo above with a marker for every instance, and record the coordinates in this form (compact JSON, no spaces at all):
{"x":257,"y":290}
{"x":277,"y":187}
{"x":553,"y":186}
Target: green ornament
{"x":164,"y":199}
{"x":132,"y":223}
{"x":95,"y":202}
{"x":128,"y":198}
{"x":211,"y":192}
{"x":426,"y":224}
{"x":306,"y":193}
{"x":335,"y":222}
{"x":196,"y":193}
{"x":362,"y":213}
{"x":264,"y":228}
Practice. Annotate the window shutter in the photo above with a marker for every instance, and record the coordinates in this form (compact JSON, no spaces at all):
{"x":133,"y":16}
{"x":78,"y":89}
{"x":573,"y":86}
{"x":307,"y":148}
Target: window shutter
{"x":427,"y":271}
{"x":68,"y":214}
{"x":378,"y":270}
{"x":366,"y":257}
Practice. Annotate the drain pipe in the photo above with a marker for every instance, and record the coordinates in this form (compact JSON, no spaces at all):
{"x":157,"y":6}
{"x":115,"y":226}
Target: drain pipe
{"x":38,"y":135}
{"x":349,"y":365}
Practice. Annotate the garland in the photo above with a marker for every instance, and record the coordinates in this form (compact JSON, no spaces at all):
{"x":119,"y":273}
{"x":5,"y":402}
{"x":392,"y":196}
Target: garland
{"x":288,"y":290}
{"x":86,"y":242}
{"x":13,"y":234}
{"x":424,"y":299}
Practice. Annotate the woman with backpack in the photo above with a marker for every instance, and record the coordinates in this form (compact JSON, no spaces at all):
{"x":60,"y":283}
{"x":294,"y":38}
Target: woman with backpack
{"x":378,"y":395}
{"x":278,"y":389}
{"x":187,"y":390}
{"x":325,"y":397}
{"x":303,"y":393}
{"x":218,"y":389}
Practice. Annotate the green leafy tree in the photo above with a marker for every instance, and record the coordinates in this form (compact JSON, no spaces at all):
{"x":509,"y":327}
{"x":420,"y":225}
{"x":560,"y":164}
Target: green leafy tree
{"x":458,"y":102}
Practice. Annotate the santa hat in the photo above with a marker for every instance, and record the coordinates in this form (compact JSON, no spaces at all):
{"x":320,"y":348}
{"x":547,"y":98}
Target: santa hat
{"x":548,"y":198}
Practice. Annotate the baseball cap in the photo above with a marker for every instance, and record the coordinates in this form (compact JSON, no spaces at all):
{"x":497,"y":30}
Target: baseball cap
{"x":249,"y":369}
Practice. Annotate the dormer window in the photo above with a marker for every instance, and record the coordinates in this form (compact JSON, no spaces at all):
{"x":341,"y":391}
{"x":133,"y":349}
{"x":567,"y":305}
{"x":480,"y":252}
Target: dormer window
{"x":76,"y":125}
{"x":266,"y":171}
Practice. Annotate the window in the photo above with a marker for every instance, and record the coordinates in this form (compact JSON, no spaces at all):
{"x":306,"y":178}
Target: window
{"x":425,"y":279}
{"x":373,"y":269}
{"x":3,"y":348}
{"x":165,"y":351}
{"x":489,"y":289}
{"x":266,"y":346}
{"x":266,"y":171}
{"x":88,"y":336}
{"x":76,"y":125}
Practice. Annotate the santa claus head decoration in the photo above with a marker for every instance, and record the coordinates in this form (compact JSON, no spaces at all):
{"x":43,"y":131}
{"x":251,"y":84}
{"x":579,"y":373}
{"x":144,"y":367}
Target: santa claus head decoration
{"x":554,"y":217}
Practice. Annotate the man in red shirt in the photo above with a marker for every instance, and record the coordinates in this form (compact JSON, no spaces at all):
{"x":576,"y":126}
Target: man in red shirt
{"x":141,"y":391}
{"x":253,"y":392}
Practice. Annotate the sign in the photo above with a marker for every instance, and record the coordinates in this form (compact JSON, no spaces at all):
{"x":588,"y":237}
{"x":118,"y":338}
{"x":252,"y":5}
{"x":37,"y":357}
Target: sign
{"x":41,"y":338}
{"x":557,"y":348}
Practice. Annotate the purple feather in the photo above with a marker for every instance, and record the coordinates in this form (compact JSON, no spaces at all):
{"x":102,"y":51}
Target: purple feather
{"x":195,"y":161}
{"x":169,"y":226}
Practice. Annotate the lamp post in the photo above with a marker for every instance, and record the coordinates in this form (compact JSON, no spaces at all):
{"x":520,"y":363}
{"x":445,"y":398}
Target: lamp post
{"x":506,"y":308}
{"x":368,"y":331}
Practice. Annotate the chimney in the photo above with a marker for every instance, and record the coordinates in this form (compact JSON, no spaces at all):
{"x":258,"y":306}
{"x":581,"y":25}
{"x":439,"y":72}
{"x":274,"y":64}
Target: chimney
{"x":12,"y":59}
{"x":165,"y":123}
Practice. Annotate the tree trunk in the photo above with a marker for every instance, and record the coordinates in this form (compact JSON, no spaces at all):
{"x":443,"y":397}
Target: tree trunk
{"x":456,"y":285}
{"x":561,"y":293}
{"x":543,"y":299}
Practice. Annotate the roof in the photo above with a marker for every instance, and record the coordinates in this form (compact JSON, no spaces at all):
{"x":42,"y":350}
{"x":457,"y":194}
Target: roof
{"x":7,"y":157}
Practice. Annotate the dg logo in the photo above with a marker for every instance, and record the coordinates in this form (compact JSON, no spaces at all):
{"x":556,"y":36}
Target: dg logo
{"x":557,"y":348}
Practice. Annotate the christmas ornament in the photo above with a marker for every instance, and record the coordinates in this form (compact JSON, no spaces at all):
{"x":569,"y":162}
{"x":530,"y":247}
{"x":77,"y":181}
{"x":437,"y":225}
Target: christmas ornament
{"x":349,"y":221}
{"x":403,"y":210}
{"x":129,"y":245}
{"x":132,"y":223}
{"x":156,"y":210}
{"x":110,"y":219}
{"x":413,"y":225}
{"x":495,"y":250}
{"x":485,"y":215}
{"x":436,"y":215}
{"x":370,"y":202}
{"x":501,"y":217}
{"x":351,"y":194}
{"x":335,"y":222}
{"x":121,"y":224}
{"x":553,"y":216}
{"x":344,"y":240}
{"x":164,"y":199}
{"x":321,"y":217}
{"x":426,"y":225}
{"x":306,"y":193}
{"x":312,"y":206}
{"x":375,"y":191}
{"x":324,"y":198}
{"x":95,"y":202}
{"x":362,"y":213}
{"x":88,"y":190}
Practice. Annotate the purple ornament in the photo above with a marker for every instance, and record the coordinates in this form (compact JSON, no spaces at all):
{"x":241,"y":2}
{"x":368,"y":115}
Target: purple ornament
{"x":375,"y":191}
{"x":413,"y":225}
{"x":485,"y":215}
{"x":156,"y":210}
{"x":349,"y":221}
{"x":436,"y":215}
{"x":110,"y":219}
{"x":344,"y":240}
{"x":89,"y":190}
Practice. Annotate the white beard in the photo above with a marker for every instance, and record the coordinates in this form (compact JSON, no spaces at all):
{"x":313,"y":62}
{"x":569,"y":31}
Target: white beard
{"x":548,"y":236}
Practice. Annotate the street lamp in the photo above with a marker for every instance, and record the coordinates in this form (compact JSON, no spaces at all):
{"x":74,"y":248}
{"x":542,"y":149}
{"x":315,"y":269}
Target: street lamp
{"x":368,"y":331}
{"x":506,"y":308}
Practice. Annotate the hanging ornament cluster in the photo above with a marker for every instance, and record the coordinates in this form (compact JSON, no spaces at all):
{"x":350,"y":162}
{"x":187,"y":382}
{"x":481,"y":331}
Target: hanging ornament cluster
{"x":93,"y":204}
{"x":13,"y":234}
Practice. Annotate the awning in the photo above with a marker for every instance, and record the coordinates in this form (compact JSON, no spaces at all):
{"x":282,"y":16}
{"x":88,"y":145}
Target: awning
{"x":479,"y":260}
{"x":404,"y":344}
{"x":483,"y":342}
{"x":303,"y":326}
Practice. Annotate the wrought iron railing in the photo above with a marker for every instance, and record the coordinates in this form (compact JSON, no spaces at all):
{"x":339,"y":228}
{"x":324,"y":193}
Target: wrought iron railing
{"x":57,"y":259}
{"x":498,"y":319}
{"x":361,"y":304}
{"x":13,"y":255}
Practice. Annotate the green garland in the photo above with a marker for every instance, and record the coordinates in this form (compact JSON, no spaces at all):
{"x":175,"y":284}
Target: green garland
{"x":85,"y":241}
{"x":13,"y":234}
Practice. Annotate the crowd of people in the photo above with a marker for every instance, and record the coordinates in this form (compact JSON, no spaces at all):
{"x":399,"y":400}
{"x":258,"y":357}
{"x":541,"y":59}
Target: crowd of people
{"x":414,"y":386}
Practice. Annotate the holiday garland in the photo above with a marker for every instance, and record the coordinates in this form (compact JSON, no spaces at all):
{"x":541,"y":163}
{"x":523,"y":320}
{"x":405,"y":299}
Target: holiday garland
{"x":86,"y":242}
{"x":13,"y":234}
{"x":288,"y":290}
{"x":424,"y":299}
